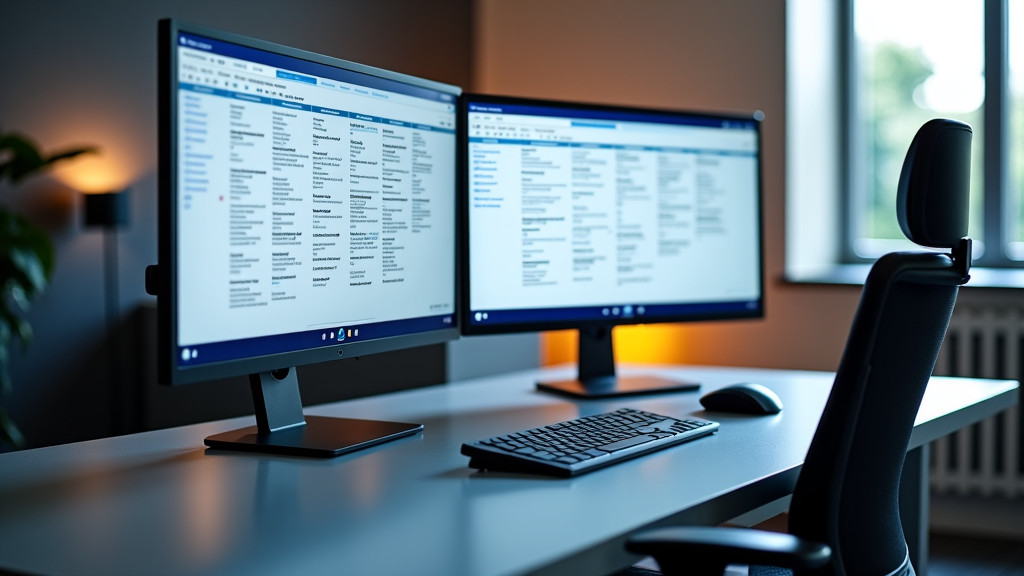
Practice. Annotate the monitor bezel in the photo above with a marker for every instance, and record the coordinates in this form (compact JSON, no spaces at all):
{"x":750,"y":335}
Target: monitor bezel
{"x":169,"y":370}
{"x":470,"y":329}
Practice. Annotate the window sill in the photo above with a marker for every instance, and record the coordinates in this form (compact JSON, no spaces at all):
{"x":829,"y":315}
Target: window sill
{"x":854,"y":275}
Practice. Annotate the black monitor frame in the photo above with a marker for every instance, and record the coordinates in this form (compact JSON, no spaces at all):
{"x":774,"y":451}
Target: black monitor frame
{"x":596,"y":365}
{"x":281,"y":426}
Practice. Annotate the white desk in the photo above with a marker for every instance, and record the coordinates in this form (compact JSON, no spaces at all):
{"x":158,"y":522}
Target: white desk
{"x":159,"y":503}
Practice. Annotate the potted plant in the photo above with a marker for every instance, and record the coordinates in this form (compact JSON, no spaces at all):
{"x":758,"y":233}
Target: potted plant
{"x":26,"y":261}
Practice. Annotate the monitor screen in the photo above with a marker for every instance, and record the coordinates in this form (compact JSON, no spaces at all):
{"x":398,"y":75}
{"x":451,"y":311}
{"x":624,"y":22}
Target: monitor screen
{"x":307,"y":208}
{"x":586,"y":216}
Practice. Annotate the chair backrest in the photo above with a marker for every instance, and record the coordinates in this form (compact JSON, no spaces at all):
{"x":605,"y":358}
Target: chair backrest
{"x":847,"y":493}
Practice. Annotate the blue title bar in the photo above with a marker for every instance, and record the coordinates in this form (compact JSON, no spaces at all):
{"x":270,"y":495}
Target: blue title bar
{"x":614,"y":115}
{"x":310,"y":108}
{"x":300,"y":66}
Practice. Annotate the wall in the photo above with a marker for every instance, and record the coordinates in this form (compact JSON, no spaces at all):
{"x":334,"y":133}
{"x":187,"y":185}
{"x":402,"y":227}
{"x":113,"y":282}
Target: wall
{"x":699,"y":54}
{"x":84,"y":73}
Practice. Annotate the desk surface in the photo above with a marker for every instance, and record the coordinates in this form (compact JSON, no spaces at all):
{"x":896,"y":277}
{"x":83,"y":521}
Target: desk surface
{"x":159,"y":503}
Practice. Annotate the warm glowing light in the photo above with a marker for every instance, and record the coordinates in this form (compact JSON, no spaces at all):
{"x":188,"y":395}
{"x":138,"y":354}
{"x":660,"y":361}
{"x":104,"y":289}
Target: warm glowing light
{"x":558,"y":347}
{"x":204,"y":516}
{"x":652,"y":343}
{"x":646,"y":343}
{"x":94,"y":173}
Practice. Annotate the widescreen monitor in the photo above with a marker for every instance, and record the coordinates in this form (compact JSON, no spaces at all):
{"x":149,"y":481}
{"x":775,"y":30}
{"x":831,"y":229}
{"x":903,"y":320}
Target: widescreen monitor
{"x":584,"y":216}
{"x":307,"y":213}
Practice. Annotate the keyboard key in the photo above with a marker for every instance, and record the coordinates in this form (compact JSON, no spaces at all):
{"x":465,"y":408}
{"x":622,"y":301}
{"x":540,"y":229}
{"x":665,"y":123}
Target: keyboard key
{"x":626,"y":443}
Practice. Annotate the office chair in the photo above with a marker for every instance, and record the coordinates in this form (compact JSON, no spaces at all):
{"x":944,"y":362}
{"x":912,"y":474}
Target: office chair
{"x":844,"y":515}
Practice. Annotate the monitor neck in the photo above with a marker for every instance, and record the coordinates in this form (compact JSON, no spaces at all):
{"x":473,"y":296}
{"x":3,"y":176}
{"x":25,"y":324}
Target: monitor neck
{"x":596,"y":353}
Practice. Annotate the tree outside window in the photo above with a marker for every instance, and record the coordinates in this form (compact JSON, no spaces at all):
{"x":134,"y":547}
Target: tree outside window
{"x":914,"y":60}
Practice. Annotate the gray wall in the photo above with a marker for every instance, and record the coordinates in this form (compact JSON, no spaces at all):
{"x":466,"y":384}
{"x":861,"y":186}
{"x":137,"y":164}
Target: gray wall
{"x":84,"y":73}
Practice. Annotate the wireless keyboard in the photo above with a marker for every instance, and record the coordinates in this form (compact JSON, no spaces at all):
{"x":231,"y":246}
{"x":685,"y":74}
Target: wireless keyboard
{"x":577,"y":446}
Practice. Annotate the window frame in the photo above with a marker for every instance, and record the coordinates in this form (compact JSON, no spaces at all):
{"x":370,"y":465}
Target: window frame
{"x":998,"y":203}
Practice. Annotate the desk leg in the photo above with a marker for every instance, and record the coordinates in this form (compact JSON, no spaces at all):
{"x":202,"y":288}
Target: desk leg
{"x":914,"y":506}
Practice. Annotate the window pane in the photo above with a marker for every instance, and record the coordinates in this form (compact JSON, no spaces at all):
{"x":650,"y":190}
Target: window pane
{"x":917,"y":60}
{"x":1015,"y":169}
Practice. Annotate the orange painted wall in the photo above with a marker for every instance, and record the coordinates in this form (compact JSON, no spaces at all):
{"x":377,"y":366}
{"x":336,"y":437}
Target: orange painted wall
{"x":691,"y":54}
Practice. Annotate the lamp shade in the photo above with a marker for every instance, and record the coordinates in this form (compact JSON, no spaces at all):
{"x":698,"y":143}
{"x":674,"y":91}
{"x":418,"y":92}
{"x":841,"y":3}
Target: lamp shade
{"x":108,"y":209}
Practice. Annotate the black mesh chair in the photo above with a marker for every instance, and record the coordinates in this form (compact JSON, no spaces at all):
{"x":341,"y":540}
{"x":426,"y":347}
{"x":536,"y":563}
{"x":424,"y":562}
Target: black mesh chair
{"x":844,"y":516}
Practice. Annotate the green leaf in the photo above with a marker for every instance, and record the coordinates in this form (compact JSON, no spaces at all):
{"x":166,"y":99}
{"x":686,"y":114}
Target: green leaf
{"x":24,"y":331}
{"x":9,"y":432}
{"x":16,"y":292}
{"x":20,"y":157}
{"x":36,"y":239}
{"x":12,"y":325}
{"x":27,"y":256}
{"x":26,"y":264}
{"x":30,"y":270}
{"x":69,"y":153}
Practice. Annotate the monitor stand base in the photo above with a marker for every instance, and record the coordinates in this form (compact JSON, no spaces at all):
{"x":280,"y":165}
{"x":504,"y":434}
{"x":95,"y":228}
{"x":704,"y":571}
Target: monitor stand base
{"x":282,"y":428}
{"x":320,"y":436}
{"x":612,"y":386}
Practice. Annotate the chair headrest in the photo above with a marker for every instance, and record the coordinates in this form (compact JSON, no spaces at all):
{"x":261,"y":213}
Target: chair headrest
{"x":934,"y":190}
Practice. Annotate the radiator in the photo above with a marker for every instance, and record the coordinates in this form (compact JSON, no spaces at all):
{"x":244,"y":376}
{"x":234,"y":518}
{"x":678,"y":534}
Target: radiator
{"x":986,"y":459}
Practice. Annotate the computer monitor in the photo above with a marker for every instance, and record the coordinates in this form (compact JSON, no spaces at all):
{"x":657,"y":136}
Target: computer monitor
{"x":583,"y":216}
{"x":307,"y":213}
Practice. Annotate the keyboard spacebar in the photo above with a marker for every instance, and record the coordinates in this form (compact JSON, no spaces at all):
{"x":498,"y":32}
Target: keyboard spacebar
{"x":623,"y":444}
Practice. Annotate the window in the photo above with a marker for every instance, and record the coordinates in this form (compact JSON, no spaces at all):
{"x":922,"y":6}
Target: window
{"x":913,"y":60}
{"x":1015,"y":60}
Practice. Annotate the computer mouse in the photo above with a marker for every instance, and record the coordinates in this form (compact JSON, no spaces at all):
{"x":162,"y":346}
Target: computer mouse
{"x":743,"y":398}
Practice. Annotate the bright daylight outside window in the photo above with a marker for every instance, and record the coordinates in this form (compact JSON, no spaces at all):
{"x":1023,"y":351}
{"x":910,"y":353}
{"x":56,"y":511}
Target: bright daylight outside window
{"x":915,"y":60}
{"x":1015,"y":57}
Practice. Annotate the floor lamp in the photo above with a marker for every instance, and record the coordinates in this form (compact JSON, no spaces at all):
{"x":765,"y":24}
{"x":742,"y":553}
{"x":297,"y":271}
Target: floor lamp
{"x":109,"y":211}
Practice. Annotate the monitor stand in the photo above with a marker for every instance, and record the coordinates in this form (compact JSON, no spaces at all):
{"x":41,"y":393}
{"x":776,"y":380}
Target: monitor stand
{"x":597,"y":373}
{"x":282,"y":429}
